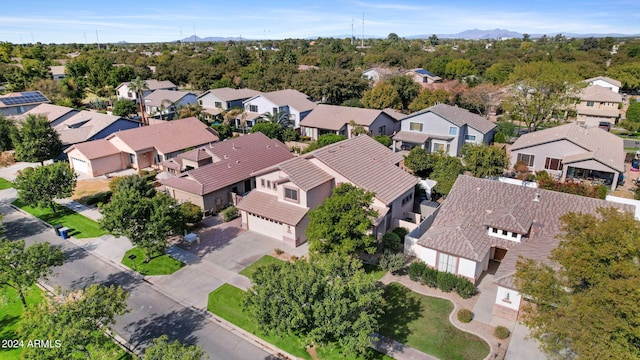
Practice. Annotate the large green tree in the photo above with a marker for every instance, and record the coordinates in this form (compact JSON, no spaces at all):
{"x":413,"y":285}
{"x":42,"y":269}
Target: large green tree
{"x":21,"y":266}
{"x":382,"y":96}
{"x":147,"y":218}
{"x":124,"y":108}
{"x":459,"y":69}
{"x":40,"y":186}
{"x":343,"y":222}
{"x":541,"y":92}
{"x":585,"y":302}
{"x":328,"y":301}
{"x":76,"y":321}
{"x":163,"y":349}
{"x":419,"y":161}
{"x":7,"y":126}
{"x":484,"y":160}
{"x":427,"y":98}
{"x":445,"y":172}
{"x":35,"y":140}
{"x":406,"y":88}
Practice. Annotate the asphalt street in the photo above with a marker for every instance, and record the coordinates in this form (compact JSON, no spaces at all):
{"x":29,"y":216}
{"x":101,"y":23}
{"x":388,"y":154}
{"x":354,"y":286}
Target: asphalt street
{"x":151,"y":312}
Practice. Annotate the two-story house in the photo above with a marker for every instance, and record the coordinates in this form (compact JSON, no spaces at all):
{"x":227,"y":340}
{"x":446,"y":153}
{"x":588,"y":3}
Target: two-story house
{"x":124,"y":91}
{"x":598,"y":104}
{"x":295,"y":103}
{"x":215,"y":101}
{"x":605,"y":82}
{"x":335,"y":119}
{"x":164,"y":104}
{"x":443,"y":128}
{"x":284,"y":193}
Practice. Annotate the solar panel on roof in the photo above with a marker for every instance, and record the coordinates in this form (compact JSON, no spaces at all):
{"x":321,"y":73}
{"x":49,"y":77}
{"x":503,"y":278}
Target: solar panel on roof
{"x":424,"y":72}
{"x":28,"y":97}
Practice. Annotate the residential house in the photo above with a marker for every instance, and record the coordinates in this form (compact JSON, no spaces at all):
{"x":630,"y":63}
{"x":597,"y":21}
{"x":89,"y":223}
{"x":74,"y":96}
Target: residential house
{"x":377,"y":74}
{"x":164,"y":104}
{"x":123,"y":91}
{"x":209,"y":175}
{"x":54,"y":113}
{"x":606,"y":82}
{"x":139,"y":148}
{"x":278,"y":206}
{"x":295,"y":103}
{"x":334,"y":119}
{"x":57,"y":72}
{"x":443,"y":128}
{"x":572,"y":152}
{"x":486,"y":223}
{"x":598,"y":104}
{"x":422,"y":76}
{"x":21,"y":102}
{"x":216,"y":101}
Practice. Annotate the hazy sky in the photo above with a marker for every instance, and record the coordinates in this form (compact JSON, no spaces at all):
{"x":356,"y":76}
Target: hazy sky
{"x":64,"y":21}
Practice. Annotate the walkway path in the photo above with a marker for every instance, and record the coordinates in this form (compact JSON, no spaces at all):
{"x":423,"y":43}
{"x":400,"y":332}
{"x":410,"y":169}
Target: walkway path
{"x":400,"y":351}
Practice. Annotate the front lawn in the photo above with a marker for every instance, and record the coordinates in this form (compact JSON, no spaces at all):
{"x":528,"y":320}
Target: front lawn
{"x":263,"y":261}
{"x":158,"y":265}
{"x":5,"y":184}
{"x":422,"y":322}
{"x":81,"y":226}
{"x":10,"y":312}
{"x":374,"y":271}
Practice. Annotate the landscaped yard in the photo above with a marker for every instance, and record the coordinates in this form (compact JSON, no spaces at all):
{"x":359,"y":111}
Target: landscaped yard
{"x":422,"y":322}
{"x":375,"y":272}
{"x":81,"y":226}
{"x":5,"y":184}
{"x":265,"y":260}
{"x":158,"y":265}
{"x":226,"y":302}
{"x":10,"y":312}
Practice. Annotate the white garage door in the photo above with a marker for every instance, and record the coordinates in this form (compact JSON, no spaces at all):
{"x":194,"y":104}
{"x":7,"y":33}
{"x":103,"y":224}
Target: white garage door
{"x":80,"y":165}
{"x":265,"y":227}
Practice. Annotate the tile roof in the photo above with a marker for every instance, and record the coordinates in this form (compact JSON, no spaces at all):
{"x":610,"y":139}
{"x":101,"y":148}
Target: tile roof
{"x":84,"y":125}
{"x":230,"y":94}
{"x":369,"y":165}
{"x":290,"y":97}
{"x":418,"y":137}
{"x":304,"y":174}
{"x":598,"y":112}
{"x":459,"y":117}
{"x":57,"y":70}
{"x":460,"y":228}
{"x":604,"y":78}
{"x":52,"y":112}
{"x":395,"y":114}
{"x":335,"y":117}
{"x":169,"y":136}
{"x":235,"y":160}
{"x":95,"y":149}
{"x":599,"y":93}
{"x":157,"y":85}
{"x":159,"y":97}
{"x":603,"y":146}
{"x":268,"y":206}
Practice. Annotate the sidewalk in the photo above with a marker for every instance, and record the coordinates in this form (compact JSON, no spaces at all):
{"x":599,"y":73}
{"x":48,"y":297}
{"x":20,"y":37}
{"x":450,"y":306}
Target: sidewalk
{"x":91,"y":212}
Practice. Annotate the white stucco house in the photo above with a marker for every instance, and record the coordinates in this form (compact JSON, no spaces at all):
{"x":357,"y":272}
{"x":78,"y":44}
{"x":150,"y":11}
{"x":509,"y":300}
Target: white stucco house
{"x":123,"y":91}
{"x":215,"y":101}
{"x":291,"y":101}
{"x":606,"y":82}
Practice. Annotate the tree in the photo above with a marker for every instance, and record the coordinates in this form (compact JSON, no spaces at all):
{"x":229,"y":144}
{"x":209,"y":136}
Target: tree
{"x":343,"y":222}
{"x":480,"y":99}
{"x":147,"y":218}
{"x":139,"y":86}
{"x":7,"y":126}
{"x":584,"y":303}
{"x":75,"y":320}
{"x":190,"y":212}
{"x":328,"y":301}
{"x":324,"y":140}
{"x":628,"y":74}
{"x":428,"y":98}
{"x":541,"y":92}
{"x":280,"y":118}
{"x":190,"y":110}
{"x":445,"y":171}
{"x":36,"y":140}
{"x":633,"y":111}
{"x":382,"y":96}
{"x":484,"y":160}
{"x":271,"y":130}
{"x":498,"y":73}
{"x":357,"y":129}
{"x":40,"y":186}
{"x":459,"y":69}
{"x":384,"y":140}
{"x":22,"y":266}
{"x":162,"y":349}
{"x":433,"y":40}
{"x":406,"y":88}
{"x":124,"y":108}
{"x":419,"y":161}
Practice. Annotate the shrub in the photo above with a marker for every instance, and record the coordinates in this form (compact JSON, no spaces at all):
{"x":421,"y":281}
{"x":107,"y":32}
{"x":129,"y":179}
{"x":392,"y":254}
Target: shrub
{"x":278,"y":251}
{"x":416,"y":269}
{"x":465,"y":315}
{"x":391,"y":241}
{"x":446,"y":281}
{"x":430,"y":277}
{"x":229,"y":213}
{"x":501,"y":332}
{"x":392,"y":262}
{"x":191,"y":213}
{"x":98,"y":198}
{"x":400,"y":231}
{"x":465,"y":288}
{"x":384,"y":140}
{"x":499,"y":138}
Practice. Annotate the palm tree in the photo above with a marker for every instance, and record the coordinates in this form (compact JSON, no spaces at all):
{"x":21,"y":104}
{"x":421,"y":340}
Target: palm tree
{"x":190,"y":110}
{"x":139,"y":86}
{"x":280,"y":118}
{"x":162,"y":108}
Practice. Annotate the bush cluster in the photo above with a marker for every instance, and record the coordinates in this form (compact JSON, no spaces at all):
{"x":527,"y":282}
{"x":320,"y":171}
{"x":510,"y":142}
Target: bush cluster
{"x":465,"y":315}
{"x":447,"y":282}
{"x":391,"y":242}
{"x":501,"y":332}
{"x":98,"y":198}
{"x":570,"y":187}
{"x":392,"y":262}
{"x":229,"y":213}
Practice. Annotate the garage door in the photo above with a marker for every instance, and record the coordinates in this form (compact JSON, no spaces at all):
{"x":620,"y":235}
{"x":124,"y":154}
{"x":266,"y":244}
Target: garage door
{"x":265,"y":227}
{"x":80,"y":165}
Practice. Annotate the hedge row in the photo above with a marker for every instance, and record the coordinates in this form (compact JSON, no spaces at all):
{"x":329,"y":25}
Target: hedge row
{"x":447,"y":282}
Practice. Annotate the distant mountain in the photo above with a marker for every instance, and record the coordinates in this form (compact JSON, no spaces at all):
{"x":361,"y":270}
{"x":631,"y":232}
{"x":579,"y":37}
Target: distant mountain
{"x":477,"y":34}
{"x":195,"y":38}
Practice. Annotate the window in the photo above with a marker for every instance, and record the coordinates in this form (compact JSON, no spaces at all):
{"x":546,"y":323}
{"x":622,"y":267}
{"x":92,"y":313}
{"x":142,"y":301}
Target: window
{"x":382,"y":130}
{"x":415,"y":126}
{"x":447,"y":263}
{"x":469,"y":138}
{"x":274,"y":186}
{"x":217,"y":104}
{"x":590,"y":103}
{"x":437,"y":147}
{"x":514,"y":235}
{"x":292,"y":117}
{"x":553,"y":164}
{"x":275,"y":110}
{"x":132,"y":159}
{"x":453,"y":131}
{"x":526,"y":158}
{"x":129,"y":94}
{"x":158,"y":158}
{"x":291,"y":194}
{"x":268,"y":183}
{"x":261,"y":182}
{"x":253,"y":108}
{"x":494,"y":230}
{"x":200,"y":102}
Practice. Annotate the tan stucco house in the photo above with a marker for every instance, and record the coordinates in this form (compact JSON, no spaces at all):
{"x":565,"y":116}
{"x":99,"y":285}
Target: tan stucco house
{"x":335,"y":119}
{"x":598,"y":104}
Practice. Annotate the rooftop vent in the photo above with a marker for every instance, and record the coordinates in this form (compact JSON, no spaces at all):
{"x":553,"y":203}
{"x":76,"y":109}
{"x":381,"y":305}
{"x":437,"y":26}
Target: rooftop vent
{"x":536,"y":197}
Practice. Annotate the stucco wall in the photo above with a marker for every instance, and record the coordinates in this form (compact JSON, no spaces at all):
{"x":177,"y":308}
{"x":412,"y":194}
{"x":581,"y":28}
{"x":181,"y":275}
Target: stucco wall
{"x":467,"y":268}
{"x":106,"y":164}
{"x":508,"y":298}
{"x":556,"y":149}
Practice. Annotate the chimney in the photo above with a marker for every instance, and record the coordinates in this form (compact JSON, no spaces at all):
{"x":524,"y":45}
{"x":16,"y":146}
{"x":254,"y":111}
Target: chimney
{"x":536,"y":197}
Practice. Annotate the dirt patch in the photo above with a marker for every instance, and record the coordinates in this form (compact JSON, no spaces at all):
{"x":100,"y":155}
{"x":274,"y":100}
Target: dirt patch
{"x":89,"y":187}
{"x":312,"y":352}
{"x":7,"y":159}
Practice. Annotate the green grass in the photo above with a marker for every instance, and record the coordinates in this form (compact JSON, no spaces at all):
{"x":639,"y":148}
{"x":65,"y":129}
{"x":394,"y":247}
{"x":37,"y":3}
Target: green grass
{"x":226,"y":302}
{"x":10,"y":312}
{"x":375,"y":272}
{"x":5,"y":184}
{"x":159,"y":265}
{"x":263,"y":261}
{"x":422,"y":322}
{"x":81,"y":226}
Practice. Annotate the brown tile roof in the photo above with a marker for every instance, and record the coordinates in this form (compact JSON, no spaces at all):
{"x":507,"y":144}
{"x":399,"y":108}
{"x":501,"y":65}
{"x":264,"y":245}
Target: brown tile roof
{"x":459,"y":117}
{"x":196,"y":154}
{"x":335,"y":117}
{"x":304,"y":174}
{"x":460,"y":228}
{"x":292,"y":98}
{"x":169,"y":136}
{"x":156,"y":85}
{"x":235,"y":160}
{"x":369,"y":165}
{"x":599,"y":93}
{"x":601,"y":145}
{"x":160,"y":97}
{"x":515,"y":218}
{"x":604,"y":78}
{"x":268,"y":206}
{"x":595,"y":112}
{"x":95,"y":149}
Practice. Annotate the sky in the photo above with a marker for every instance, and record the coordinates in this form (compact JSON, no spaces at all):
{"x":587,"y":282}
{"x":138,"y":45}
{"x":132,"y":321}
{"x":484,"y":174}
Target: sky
{"x":86,"y":21}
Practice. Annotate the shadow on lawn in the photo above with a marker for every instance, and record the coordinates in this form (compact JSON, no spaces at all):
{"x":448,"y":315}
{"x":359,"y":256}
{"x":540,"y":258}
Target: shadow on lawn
{"x":5,"y":323}
{"x":401,"y":309}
